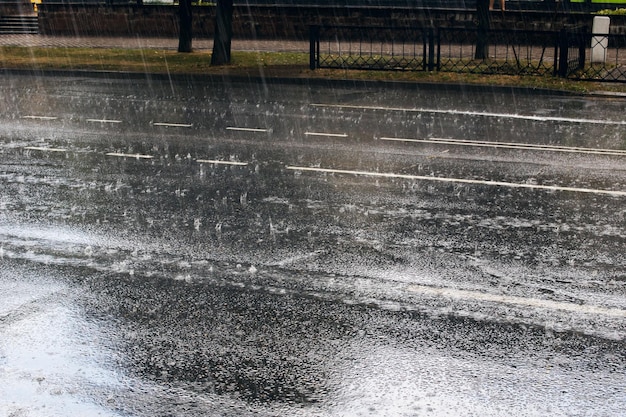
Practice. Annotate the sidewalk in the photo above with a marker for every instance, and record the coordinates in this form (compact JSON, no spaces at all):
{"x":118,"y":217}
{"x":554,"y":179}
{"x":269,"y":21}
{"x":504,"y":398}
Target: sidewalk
{"x":148,"y":43}
{"x":261,"y":45}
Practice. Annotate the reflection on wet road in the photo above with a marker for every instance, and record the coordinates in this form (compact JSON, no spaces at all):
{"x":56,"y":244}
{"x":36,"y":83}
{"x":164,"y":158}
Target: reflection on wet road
{"x":193,"y":249}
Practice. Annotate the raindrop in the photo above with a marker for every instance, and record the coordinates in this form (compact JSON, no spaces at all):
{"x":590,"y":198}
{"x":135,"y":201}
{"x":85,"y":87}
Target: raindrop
{"x":272,"y":228}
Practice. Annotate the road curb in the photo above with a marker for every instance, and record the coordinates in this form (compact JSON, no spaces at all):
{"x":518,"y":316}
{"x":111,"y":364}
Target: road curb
{"x":312,"y":81}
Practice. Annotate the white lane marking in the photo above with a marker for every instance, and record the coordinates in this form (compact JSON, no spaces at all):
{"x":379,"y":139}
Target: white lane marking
{"x":220,"y":162}
{"x":40,"y":117}
{"x":476,"y":113}
{"x":172,"y":124}
{"x":248,"y":129}
{"x":511,"y":145}
{"x":129,"y":155}
{"x":330,"y":135}
{"x":515,"y":300}
{"x":41,"y":148}
{"x":103,"y":121}
{"x":461,"y":180}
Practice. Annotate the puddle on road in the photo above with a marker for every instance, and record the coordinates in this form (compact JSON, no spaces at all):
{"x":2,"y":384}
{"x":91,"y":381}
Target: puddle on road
{"x":388,"y":380}
{"x":51,"y":359}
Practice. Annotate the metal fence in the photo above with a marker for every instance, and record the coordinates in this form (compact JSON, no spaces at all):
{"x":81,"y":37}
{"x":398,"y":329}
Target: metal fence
{"x":601,"y":57}
{"x":573,"y":52}
{"x":508,"y":52}
{"x":373,"y":48}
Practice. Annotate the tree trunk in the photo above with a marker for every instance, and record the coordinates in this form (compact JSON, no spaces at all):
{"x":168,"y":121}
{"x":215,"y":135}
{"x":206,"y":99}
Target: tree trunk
{"x":223,"y":32}
{"x":484,"y":24}
{"x":185,"y":34}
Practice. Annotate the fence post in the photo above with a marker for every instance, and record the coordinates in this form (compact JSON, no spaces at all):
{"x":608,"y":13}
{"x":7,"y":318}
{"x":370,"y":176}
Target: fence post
{"x":599,"y":44}
{"x":431,"y":49}
{"x":438,"y":62}
{"x":484,"y":26}
{"x":563,"y":51}
{"x":581,"y":56}
{"x":314,"y":38}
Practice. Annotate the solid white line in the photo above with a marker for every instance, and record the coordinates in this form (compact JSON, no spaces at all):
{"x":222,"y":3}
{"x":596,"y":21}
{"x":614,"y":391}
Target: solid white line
{"x":247,"y":129}
{"x":511,"y":145}
{"x":475,"y":113}
{"x":40,"y":148}
{"x":103,"y":121}
{"x":515,"y":300}
{"x":219,"y":162}
{"x":331,"y":135}
{"x":129,"y":155}
{"x":40,"y":117}
{"x":172,"y":124}
{"x":462,"y":180}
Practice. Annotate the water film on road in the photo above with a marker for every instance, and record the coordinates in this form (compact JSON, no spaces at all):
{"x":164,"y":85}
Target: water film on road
{"x":231,"y":249}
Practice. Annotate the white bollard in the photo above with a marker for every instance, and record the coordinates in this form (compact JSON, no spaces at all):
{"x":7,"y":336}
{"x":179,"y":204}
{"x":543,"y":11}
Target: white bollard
{"x":599,"y":44}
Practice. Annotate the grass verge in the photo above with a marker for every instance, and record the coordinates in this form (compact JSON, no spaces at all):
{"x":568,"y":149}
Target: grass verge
{"x":139,"y":60}
{"x":269,"y":64}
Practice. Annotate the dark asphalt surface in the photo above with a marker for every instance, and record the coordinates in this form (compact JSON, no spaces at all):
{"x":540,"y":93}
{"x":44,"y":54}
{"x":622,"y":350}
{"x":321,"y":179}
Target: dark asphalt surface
{"x":176,"y":248}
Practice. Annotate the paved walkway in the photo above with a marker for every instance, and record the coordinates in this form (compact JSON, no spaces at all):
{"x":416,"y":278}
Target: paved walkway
{"x":147,"y":43}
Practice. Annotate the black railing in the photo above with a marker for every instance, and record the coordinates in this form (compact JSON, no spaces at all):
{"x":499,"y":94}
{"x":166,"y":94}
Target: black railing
{"x":508,"y":52}
{"x":372,"y":48}
{"x":571,"y":52}
{"x":601,"y":58}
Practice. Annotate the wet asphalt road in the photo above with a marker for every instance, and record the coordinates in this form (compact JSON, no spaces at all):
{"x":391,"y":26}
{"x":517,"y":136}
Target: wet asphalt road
{"x":221,"y":248}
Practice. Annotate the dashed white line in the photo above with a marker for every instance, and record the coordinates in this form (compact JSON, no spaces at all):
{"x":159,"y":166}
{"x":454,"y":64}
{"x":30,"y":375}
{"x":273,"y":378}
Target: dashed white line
{"x":103,"y":121}
{"x":511,"y":145}
{"x":248,"y":129}
{"x":39,"y":117}
{"x":44,"y":149}
{"x":515,"y":300}
{"x":129,"y":155}
{"x":220,"y":162}
{"x":330,"y":135}
{"x":461,"y":180}
{"x":172,"y":124}
{"x":475,"y":113}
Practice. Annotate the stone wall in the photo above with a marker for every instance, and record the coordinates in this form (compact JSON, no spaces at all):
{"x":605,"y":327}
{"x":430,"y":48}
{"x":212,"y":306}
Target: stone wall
{"x":15,"y":7}
{"x":280,"y":22}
